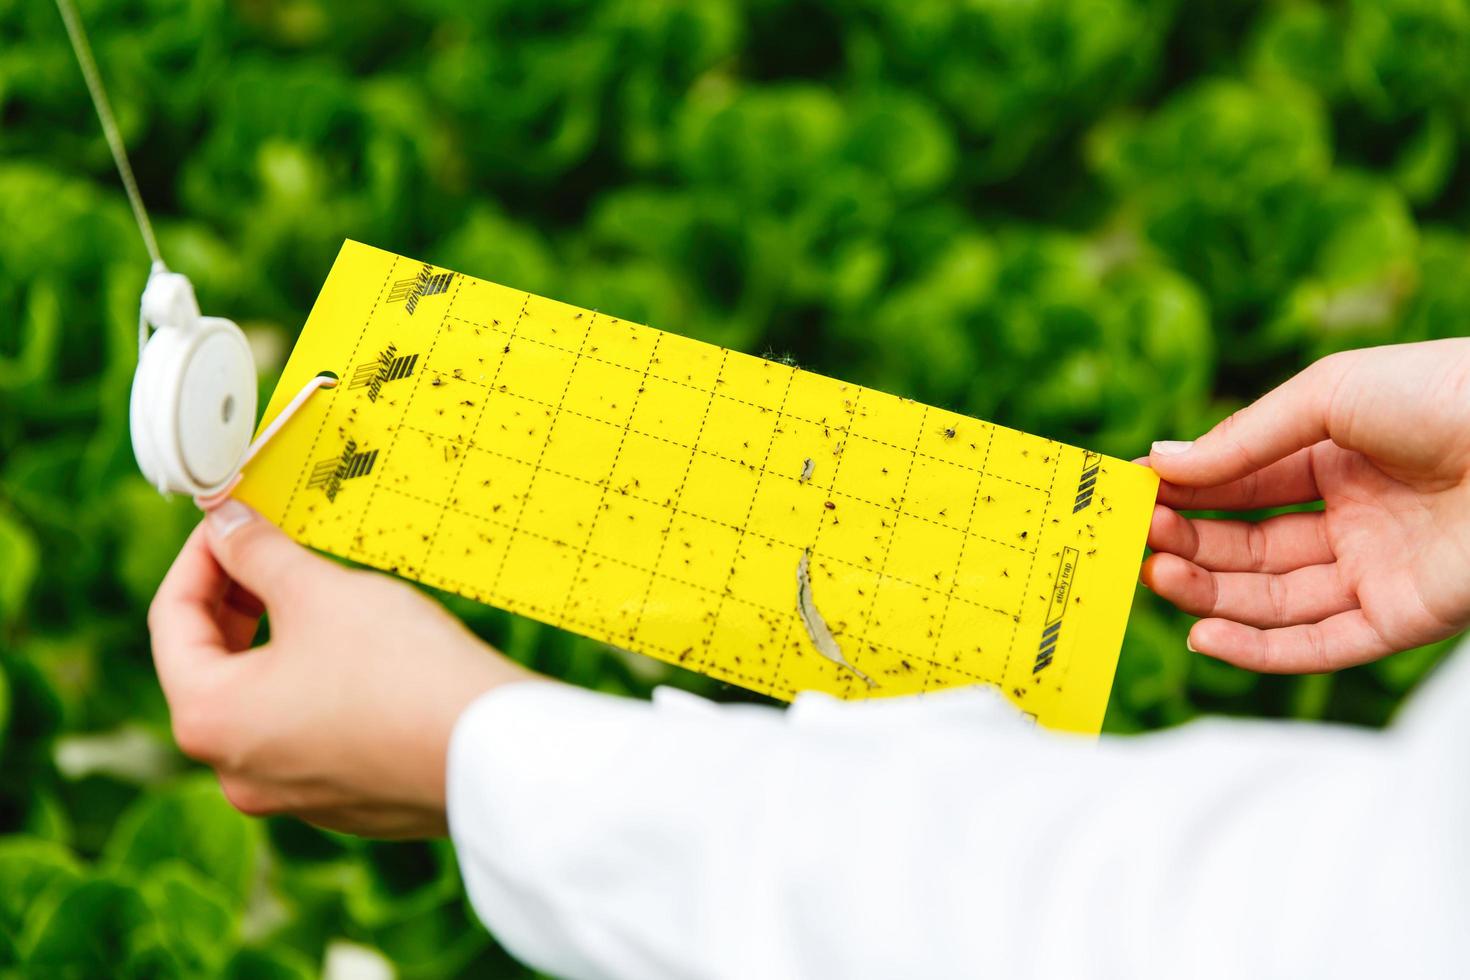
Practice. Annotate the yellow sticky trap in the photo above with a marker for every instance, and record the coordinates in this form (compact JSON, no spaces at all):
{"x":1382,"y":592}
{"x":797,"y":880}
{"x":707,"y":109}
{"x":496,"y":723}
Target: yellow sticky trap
{"x":658,"y":493}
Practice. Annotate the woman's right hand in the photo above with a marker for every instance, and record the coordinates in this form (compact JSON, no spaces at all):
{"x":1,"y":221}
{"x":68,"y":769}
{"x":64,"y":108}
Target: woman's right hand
{"x":344,"y":717}
{"x":1382,"y":437}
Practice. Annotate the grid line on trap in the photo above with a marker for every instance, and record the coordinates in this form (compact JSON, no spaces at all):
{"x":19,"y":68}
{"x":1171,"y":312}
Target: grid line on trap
{"x":838,"y":427}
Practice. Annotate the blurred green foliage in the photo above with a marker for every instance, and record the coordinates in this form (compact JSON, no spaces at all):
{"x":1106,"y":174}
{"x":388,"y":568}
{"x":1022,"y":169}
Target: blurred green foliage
{"x":1106,"y":221}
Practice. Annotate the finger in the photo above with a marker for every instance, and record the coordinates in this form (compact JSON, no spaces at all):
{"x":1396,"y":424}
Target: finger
{"x":259,"y":556}
{"x":251,"y":797}
{"x":185,"y":630}
{"x":239,"y":615}
{"x":1292,"y":480}
{"x":1306,"y":595}
{"x":1291,"y":417}
{"x":1277,"y":544}
{"x":1344,"y":640}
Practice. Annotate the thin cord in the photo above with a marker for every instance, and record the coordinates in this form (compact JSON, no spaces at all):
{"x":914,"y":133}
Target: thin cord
{"x":109,"y":124}
{"x":223,"y":493}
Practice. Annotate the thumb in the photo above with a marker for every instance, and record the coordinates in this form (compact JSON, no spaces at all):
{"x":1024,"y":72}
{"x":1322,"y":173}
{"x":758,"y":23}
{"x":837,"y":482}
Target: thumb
{"x":1284,"y":420}
{"x":257,"y":554}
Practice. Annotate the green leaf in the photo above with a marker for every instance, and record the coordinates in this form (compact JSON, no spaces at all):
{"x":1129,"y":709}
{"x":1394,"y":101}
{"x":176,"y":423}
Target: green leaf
{"x":1428,"y":159}
{"x":29,"y":869}
{"x":1402,"y":671}
{"x":40,"y":334}
{"x":1107,"y":221}
{"x":197,"y":922}
{"x":86,"y":929}
{"x":1299,"y":41}
{"x":1217,"y":176}
{"x":1310,"y":695}
{"x":35,"y":714}
{"x":1153,"y":667}
{"x":402,"y":880}
{"x":190,"y":822}
{"x":1405,"y":55}
{"x":19,"y":558}
{"x":151,"y":530}
{"x":434,"y":942}
{"x":268,"y":964}
{"x":4,"y":708}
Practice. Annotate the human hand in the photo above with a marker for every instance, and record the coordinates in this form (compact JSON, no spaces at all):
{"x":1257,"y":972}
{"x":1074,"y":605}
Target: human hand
{"x":343,"y":718}
{"x":1382,"y":437}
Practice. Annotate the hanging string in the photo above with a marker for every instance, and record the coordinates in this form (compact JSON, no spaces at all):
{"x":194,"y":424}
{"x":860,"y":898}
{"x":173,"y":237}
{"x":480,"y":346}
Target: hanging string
{"x":88,"y":64}
{"x":83,"y":51}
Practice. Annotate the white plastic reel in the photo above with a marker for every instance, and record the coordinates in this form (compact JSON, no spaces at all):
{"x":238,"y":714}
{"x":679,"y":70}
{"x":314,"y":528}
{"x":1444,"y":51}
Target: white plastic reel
{"x":193,"y":404}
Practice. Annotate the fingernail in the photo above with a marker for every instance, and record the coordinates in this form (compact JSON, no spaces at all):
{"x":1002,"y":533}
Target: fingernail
{"x":1170,"y":447}
{"x":228,"y":518}
{"x":1189,"y":646}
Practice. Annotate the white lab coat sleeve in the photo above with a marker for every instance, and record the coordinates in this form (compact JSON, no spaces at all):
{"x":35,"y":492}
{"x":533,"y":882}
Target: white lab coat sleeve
{"x":940,"y":836}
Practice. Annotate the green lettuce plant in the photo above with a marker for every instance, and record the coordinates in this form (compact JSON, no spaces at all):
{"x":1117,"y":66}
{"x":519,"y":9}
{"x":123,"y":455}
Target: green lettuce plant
{"x":1107,"y":222}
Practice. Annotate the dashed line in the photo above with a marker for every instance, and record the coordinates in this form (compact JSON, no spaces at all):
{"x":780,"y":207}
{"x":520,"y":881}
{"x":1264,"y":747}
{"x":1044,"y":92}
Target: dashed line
{"x":756,"y":405}
{"x":326,"y":416}
{"x":761,"y":471}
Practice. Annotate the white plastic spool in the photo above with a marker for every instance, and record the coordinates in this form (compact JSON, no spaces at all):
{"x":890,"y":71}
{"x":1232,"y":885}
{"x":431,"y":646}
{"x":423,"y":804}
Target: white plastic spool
{"x":194,"y":395}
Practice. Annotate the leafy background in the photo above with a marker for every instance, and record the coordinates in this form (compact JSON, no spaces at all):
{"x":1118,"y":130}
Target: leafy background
{"x":1107,"y":221}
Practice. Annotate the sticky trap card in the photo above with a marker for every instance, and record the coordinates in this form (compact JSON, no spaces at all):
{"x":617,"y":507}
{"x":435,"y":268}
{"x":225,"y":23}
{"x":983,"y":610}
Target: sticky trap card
{"x":712,"y":509}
